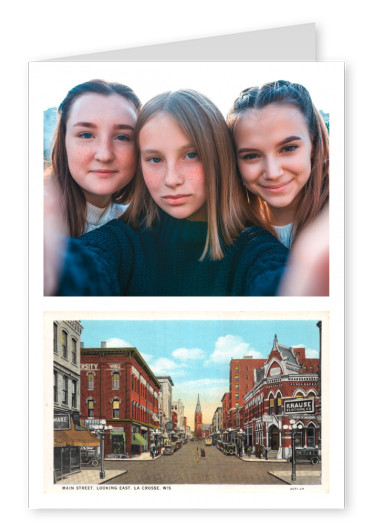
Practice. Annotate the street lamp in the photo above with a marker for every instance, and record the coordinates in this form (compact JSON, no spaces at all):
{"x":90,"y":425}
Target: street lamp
{"x":241,"y":434}
{"x":294,"y":427}
{"x":100,"y":429}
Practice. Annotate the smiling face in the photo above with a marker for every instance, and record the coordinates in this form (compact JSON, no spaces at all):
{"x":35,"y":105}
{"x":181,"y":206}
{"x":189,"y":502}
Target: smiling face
{"x":172,"y":170}
{"x":273,"y":149}
{"x":100,"y":145}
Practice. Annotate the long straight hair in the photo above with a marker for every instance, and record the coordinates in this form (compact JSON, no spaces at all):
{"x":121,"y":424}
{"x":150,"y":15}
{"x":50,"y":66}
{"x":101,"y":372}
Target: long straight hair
{"x":202,"y":122}
{"x":74,"y":202}
{"x":315,"y":193}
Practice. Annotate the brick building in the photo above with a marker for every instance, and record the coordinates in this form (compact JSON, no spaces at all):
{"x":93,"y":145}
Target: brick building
{"x":226,"y":410}
{"x":242,"y":379}
{"x":117,"y":385}
{"x":286,"y":388}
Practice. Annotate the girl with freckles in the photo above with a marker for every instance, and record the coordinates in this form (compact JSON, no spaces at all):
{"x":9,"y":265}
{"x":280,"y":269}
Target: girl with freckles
{"x":94,"y":155}
{"x":282,"y":151}
{"x":187,"y":229}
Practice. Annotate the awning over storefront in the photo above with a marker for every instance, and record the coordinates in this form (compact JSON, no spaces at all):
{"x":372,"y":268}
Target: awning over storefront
{"x":76,"y":436}
{"x":138,"y":439}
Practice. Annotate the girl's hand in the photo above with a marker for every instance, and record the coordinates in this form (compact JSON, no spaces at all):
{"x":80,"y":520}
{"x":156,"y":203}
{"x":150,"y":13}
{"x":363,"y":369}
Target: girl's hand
{"x":308,"y":271}
{"x":54,"y":235}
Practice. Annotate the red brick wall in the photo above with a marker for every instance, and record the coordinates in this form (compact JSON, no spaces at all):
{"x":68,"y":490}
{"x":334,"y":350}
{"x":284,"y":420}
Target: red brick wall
{"x":103,"y":366}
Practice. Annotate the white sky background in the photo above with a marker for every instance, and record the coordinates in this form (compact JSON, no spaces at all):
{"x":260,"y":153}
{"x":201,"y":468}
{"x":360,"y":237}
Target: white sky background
{"x":220,"y":81}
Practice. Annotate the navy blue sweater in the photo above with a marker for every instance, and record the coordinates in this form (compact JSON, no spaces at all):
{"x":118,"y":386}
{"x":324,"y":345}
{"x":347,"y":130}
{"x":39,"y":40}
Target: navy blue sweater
{"x":164,"y":260}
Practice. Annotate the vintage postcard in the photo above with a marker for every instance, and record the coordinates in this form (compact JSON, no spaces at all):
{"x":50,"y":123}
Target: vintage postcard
{"x":141,"y":405}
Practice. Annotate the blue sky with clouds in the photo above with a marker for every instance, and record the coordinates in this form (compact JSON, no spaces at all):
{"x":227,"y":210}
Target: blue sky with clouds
{"x":196,"y":353}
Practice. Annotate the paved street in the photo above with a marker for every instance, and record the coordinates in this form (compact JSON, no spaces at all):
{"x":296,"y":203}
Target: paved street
{"x":215,"y":468}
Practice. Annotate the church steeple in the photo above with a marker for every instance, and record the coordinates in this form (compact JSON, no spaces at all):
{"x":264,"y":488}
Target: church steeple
{"x":198,"y":419}
{"x":198,"y":405}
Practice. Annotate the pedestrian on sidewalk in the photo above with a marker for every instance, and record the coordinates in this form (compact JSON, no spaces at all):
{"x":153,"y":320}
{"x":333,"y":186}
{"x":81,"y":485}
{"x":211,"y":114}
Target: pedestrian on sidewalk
{"x":266,"y":454}
{"x":197,"y":455}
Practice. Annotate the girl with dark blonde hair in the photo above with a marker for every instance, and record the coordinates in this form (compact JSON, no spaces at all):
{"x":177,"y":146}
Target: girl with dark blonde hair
{"x":282,"y":150}
{"x":94,"y":156}
{"x":184,"y":232}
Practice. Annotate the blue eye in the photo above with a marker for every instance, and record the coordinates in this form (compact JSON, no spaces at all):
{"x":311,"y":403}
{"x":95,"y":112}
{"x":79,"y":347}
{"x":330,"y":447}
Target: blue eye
{"x":123,"y":138}
{"x":191,"y":155}
{"x":290,"y":148}
{"x":85,"y":135}
{"x":155,"y":160}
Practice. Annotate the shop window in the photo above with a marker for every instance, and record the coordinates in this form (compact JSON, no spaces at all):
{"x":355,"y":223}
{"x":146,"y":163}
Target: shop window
{"x":64,"y":390}
{"x":55,"y":338}
{"x":115,"y":409}
{"x":74,"y":351}
{"x":74,"y":393}
{"x":90,"y":381}
{"x":64,"y":341}
{"x":116,"y":380}
{"x":90,"y":408}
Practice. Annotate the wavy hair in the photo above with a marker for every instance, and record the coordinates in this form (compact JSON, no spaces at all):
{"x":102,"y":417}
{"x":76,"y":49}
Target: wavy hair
{"x":315,"y":193}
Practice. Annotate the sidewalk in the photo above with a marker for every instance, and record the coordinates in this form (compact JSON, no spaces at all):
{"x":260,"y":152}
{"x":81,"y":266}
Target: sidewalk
{"x":145,"y":456}
{"x":88,"y":475}
{"x":303,"y":477}
{"x":261,"y":460}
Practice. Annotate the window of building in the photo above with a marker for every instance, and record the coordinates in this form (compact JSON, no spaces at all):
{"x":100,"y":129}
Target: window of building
{"x":237,"y":386}
{"x":237,"y":368}
{"x":237,"y":396}
{"x":279,"y":405}
{"x":311,"y":439}
{"x":64,"y":390}
{"x":74,"y":393}
{"x":90,"y":408}
{"x":115,"y":409}
{"x":116,"y":380}
{"x":90,"y":381}
{"x":55,"y":386}
{"x":74,"y":351}
{"x":55,"y":337}
{"x":64,"y":341}
{"x":299,"y":395}
{"x":271,"y":405}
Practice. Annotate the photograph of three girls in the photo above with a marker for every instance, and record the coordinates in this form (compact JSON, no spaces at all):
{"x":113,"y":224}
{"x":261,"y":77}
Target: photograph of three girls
{"x":170,"y":198}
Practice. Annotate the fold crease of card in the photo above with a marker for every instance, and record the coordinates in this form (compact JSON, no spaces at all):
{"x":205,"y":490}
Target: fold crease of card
{"x":291,"y":43}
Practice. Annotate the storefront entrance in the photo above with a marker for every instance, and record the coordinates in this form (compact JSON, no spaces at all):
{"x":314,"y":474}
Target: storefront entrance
{"x":117,"y":444}
{"x":274,"y":438}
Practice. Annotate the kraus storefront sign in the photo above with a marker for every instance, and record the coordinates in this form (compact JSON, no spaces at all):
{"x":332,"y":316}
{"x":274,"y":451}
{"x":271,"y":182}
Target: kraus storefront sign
{"x":302,"y":405}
